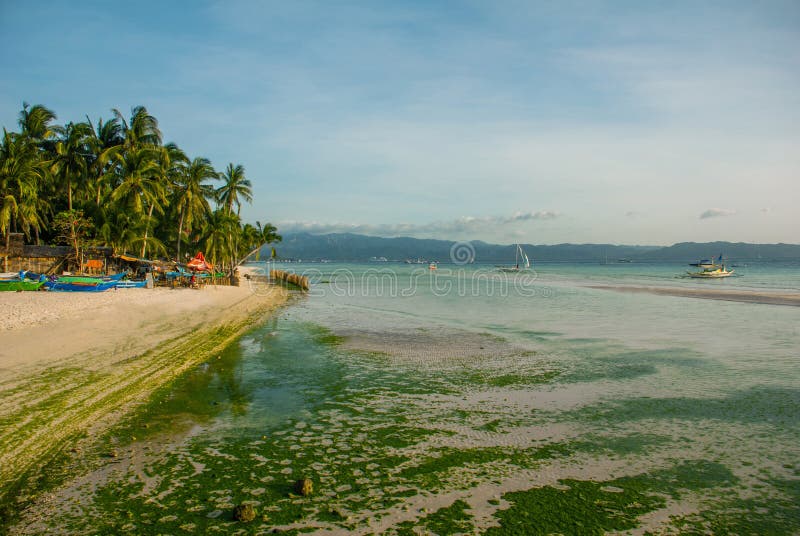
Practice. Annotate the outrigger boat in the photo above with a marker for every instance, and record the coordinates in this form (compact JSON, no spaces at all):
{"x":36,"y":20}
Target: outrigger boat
{"x":710,"y":269}
{"x":91,"y":278}
{"x":712,"y":273}
{"x":518,"y":255}
{"x":15,"y":285}
{"x":18,"y":281}
{"x":84,"y":283}
{"x":80,"y":286}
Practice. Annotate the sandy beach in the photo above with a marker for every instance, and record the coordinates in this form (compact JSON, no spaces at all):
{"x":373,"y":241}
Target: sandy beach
{"x":71,"y":364}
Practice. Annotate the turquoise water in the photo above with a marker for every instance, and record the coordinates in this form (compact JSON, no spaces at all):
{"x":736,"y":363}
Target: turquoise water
{"x":465,"y":401}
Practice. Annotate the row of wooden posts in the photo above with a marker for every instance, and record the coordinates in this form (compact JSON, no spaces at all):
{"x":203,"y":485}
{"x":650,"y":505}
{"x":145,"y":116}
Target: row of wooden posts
{"x":289,"y":277}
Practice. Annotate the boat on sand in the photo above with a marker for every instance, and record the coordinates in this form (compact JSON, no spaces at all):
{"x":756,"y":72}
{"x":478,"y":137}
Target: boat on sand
{"x":15,"y":285}
{"x":80,"y":286}
{"x":22,"y":280}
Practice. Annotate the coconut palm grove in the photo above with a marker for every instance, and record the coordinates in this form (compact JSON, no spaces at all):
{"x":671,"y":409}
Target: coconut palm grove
{"x":116,"y":183}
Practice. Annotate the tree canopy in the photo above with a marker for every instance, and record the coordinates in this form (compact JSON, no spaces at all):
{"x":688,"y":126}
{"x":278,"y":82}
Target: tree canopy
{"x":131,"y":191}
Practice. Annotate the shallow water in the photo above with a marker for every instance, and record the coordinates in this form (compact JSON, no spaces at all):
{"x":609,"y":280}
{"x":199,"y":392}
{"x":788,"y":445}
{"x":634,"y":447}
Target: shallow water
{"x":465,"y":401}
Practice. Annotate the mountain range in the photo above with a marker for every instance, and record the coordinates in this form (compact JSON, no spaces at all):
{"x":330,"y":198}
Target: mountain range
{"x":354,"y":247}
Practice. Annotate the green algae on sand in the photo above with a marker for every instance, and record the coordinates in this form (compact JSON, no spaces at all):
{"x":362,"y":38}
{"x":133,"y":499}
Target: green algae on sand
{"x":381,"y":437}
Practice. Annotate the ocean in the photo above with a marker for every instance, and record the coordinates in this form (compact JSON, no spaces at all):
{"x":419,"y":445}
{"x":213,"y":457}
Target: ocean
{"x":463,"y":401}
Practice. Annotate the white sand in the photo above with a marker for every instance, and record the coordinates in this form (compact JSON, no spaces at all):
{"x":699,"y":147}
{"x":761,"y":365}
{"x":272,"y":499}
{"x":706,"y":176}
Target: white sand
{"x":47,"y":326}
{"x":95,"y":348}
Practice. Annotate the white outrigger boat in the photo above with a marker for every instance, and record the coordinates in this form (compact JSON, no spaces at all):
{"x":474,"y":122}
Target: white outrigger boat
{"x":711,"y":270}
{"x":712,"y":274}
{"x":519,"y":255}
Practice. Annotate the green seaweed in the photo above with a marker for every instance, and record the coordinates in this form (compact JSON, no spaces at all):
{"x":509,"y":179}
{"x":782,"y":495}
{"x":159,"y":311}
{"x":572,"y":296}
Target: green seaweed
{"x":509,"y":379}
{"x":777,"y":514}
{"x":762,"y":405}
{"x":583,"y":508}
{"x":452,"y":519}
{"x":619,"y":445}
{"x":589,"y":507}
{"x":430,"y":472}
{"x":290,"y":402}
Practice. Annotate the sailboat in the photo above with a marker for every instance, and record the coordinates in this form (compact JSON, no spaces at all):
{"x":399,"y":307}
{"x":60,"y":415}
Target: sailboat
{"x":519,"y":255}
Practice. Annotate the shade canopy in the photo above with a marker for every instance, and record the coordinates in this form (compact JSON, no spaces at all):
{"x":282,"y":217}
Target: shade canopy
{"x":199,"y":264}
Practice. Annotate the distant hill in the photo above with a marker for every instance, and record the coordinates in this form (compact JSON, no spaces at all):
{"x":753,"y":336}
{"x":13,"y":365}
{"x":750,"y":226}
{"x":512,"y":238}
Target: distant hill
{"x":354,"y":247}
{"x":739,"y":251}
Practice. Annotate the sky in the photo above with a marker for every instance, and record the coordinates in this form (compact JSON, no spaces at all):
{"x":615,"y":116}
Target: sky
{"x":504,"y":121}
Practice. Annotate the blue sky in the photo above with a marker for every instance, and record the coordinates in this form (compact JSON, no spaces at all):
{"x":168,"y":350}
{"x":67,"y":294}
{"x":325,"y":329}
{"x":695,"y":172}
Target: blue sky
{"x":622,"y":122}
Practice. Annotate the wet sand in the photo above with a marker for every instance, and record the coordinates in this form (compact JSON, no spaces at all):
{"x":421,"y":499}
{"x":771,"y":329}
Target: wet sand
{"x":746,"y":296}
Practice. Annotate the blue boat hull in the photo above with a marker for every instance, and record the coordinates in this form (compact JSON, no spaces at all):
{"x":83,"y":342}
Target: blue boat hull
{"x":79,"y":287}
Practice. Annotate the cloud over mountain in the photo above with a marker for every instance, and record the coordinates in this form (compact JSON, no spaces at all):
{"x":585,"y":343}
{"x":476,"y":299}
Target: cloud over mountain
{"x":451,"y":228}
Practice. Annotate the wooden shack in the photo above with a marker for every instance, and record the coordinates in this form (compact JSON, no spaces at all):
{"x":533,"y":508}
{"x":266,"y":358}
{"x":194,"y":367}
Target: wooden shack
{"x":51,"y":259}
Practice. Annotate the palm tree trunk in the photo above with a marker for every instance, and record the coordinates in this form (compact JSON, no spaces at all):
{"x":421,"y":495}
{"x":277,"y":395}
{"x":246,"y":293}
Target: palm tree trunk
{"x":8,"y":246}
{"x":69,"y":194}
{"x":78,"y":255}
{"x":146,"y":229}
{"x":178,"y":245}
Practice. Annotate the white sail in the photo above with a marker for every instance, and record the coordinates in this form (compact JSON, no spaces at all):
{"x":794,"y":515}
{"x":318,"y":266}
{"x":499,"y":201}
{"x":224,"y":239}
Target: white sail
{"x":525,"y":257}
{"x":526,"y":261}
{"x":518,"y":253}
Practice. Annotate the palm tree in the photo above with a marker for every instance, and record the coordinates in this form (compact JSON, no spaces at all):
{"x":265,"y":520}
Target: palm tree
{"x":249,"y":240}
{"x":118,"y":230}
{"x":268,"y":233}
{"x":142,"y":129}
{"x":72,"y":152}
{"x":105,"y":142}
{"x":35,"y":122}
{"x":236,"y":186}
{"x":140,"y":189}
{"x":192,"y":195}
{"x":218,"y":232}
{"x":21,"y":174}
{"x":171,"y":160}
{"x":31,"y":151}
{"x":120,"y":175}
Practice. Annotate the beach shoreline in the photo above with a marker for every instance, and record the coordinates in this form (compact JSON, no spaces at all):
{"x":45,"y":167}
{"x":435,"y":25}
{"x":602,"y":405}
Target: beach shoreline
{"x":72,"y":365}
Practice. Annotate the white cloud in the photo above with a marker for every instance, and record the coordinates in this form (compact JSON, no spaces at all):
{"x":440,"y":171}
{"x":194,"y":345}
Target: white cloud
{"x":716,"y":213}
{"x":524,"y":216}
